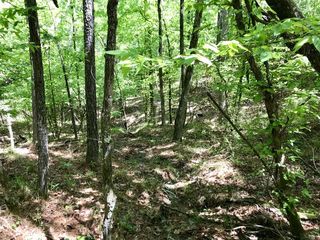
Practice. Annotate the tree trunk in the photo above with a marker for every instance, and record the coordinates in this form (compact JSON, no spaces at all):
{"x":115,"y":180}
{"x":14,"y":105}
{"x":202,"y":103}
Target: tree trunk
{"x":39,"y":89}
{"x":170,"y":82}
{"x":161,"y":83}
{"x":182,"y":109}
{"x":74,"y":43}
{"x":9,"y":124}
{"x":53,"y":101}
{"x":288,"y":9}
{"x":181,"y":41}
{"x":34,"y":110}
{"x":152,"y":104}
{"x":92,"y":152}
{"x":66,"y":79}
{"x":108,"y":88}
{"x":106,"y":111}
{"x":223,"y":28}
{"x":272,"y":109}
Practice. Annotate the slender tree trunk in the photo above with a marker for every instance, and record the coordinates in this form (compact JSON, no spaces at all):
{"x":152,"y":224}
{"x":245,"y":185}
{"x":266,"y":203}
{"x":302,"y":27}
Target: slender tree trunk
{"x":181,"y":41}
{"x":170,"y":82}
{"x":122,"y":105}
{"x":106,"y":113}
{"x":223,"y":28}
{"x":53,"y":100}
{"x":108,"y":88}
{"x":152,"y":104}
{"x":182,"y":109}
{"x":66,"y":80}
{"x":34,"y":111}
{"x":161,"y":82}
{"x":272,"y":109}
{"x":9,"y":124}
{"x":39,"y":89}
{"x":74,"y":43}
{"x":92,"y":152}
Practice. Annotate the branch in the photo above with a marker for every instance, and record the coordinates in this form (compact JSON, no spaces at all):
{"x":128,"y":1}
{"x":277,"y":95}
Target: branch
{"x":239,"y":132}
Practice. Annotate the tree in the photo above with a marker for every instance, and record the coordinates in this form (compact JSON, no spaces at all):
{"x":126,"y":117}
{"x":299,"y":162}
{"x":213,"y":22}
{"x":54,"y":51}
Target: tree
{"x":185,"y":84}
{"x":223,"y":28}
{"x":109,"y":72}
{"x":39,"y":92}
{"x":181,"y":39}
{"x":92,"y":153}
{"x":271,"y":103}
{"x":161,"y":82}
{"x":106,"y":115}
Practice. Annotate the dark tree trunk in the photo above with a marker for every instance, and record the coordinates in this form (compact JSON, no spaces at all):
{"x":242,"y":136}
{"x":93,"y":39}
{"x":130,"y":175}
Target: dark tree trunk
{"x":92,"y":152}
{"x":223,"y":28}
{"x":39,"y":90}
{"x":181,"y":39}
{"x":106,"y":112}
{"x":123,"y":106}
{"x":152,"y":104}
{"x":76,"y":64}
{"x":34,"y":110}
{"x":170,"y":82}
{"x":288,"y":9}
{"x":109,"y":72}
{"x":161,"y":83}
{"x":66,"y":79}
{"x":182,"y":109}
{"x":53,"y":100}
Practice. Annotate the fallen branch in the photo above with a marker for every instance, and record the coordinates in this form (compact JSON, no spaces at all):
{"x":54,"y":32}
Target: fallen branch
{"x":225,"y":115}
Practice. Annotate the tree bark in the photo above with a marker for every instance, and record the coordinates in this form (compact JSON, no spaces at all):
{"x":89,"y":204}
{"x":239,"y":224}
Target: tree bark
{"x":181,"y":41}
{"x":183,"y":101}
{"x":92,"y":151}
{"x":66,"y":79}
{"x":152,"y":112}
{"x":108,"y":89}
{"x":106,"y":111}
{"x":288,"y":9}
{"x":161,"y":82}
{"x":223,"y":28}
{"x":39,"y":90}
{"x":170,"y":81}
{"x":272,"y":108}
{"x":74,"y":43}
{"x":53,"y":100}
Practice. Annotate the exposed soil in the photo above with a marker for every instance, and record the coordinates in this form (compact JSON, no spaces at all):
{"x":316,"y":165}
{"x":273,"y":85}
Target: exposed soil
{"x":196,"y":190}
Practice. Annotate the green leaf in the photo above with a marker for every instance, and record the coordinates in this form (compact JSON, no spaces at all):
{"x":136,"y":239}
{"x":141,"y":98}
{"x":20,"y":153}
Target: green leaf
{"x":211,"y":47}
{"x":316,"y":42}
{"x":301,"y":42}
{"x":203,"y":59}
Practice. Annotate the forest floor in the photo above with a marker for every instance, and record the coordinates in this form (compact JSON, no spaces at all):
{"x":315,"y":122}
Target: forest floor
{"x":201,"y":189}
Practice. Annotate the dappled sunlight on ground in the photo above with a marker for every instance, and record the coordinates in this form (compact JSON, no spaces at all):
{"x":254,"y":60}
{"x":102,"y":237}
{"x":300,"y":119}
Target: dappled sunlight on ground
{"x":165,"y":190}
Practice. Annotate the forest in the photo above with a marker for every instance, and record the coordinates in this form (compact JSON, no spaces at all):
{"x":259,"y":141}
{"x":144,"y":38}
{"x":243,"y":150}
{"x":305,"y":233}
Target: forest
{"x":158,"y":119}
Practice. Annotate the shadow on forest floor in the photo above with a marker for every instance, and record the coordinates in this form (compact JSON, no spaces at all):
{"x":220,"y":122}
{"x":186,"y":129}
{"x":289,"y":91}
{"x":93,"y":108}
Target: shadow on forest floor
{"x":194,"y":190}
{"x":72,"y":209}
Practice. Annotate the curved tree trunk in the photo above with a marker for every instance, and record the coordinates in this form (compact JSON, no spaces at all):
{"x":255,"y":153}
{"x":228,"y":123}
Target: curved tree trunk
{"x":92,"y":152}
